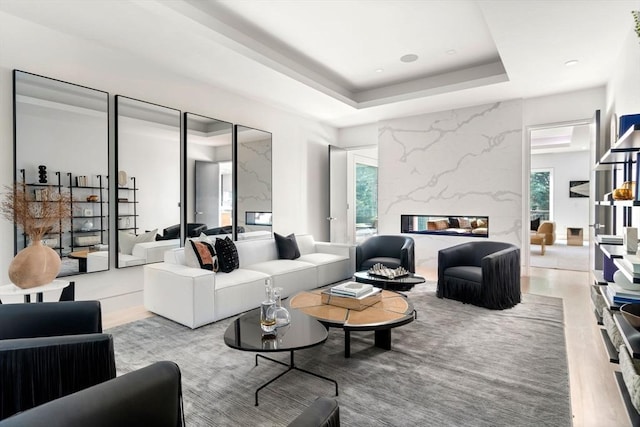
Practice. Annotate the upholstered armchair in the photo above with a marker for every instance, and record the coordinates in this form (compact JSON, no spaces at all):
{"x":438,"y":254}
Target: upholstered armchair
{"x":323,"y":412}
{"x":548,"y":230}
{"x":392,"y":251}
{"x":49,"y":350}
{"x":151,"y":396}
{"x":484,"y":273}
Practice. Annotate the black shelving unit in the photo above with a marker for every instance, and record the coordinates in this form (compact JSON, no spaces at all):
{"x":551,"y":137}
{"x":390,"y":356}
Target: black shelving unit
{"x":131,"y":206}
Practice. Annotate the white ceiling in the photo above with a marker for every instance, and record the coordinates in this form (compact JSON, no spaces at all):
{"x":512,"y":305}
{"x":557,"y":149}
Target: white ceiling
{"x":320,"y":57}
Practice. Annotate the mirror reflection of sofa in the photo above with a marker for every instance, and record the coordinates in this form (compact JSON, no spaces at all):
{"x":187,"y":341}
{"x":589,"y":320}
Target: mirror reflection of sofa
{"x":133,"y":250}
{"x":458,"y":225}
{"x":546,"y":228}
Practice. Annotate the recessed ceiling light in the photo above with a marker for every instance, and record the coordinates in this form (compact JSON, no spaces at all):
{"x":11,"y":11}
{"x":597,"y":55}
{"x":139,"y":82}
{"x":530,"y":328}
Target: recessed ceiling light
{"x":571,"y":63}
{"x":452,"y":52}
{"x":410,"y":57}
{"x":379,"y":70}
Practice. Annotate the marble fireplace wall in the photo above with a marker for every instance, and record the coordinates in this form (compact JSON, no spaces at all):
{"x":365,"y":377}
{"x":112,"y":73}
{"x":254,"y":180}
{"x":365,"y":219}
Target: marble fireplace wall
{"x":464,"y":162}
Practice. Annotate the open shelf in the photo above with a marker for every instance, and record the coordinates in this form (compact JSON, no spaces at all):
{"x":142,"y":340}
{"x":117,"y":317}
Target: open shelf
{"x":625,"y":146}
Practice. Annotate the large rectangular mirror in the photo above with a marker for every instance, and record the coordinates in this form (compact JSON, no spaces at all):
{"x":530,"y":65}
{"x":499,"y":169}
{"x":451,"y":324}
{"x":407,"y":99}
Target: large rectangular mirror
{"x":148,"y":180}
{"x":253,"y":183}
{"x":61,"y":144}
{"x":209,"y":171}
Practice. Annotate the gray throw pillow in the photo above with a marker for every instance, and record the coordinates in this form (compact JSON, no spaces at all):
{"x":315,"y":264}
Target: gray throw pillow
{"x":287,"y":246}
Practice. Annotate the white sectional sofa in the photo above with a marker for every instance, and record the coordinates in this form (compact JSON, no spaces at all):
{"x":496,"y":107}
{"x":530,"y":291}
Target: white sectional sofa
{"x":196,"y":297}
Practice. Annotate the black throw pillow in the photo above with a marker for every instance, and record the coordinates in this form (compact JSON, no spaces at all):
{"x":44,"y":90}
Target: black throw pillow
{"x":227,"y":255}
{"x":287,"y":246}
{"x":535,"y":223}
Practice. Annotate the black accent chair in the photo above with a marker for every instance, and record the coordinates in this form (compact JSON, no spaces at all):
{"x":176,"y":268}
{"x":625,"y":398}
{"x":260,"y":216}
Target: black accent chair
{"x":151,"y":396}
{"x":391,"y":251}
{"x":49,"y":350}
{"x":486,"y":274}
{"x":173,"y":232}
{"x":323,"y":412}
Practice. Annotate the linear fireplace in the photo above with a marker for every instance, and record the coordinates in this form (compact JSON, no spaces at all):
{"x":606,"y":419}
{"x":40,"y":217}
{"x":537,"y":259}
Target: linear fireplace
{"x":448,"y":225}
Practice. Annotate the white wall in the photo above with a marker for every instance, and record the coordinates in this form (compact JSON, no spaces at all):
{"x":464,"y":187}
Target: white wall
{"x":299,"y":144}
{"x":572,"y":166}
{"x":464,"y":162}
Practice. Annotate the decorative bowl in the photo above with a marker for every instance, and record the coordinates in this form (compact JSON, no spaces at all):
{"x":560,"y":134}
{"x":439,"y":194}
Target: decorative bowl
{"x":631,"y":312}
{"x":622,"y":194}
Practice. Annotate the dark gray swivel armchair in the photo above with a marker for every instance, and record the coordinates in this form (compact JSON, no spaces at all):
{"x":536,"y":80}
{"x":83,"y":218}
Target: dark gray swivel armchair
{"x":49,"y":350}
{"x":391,"y":251}
{"x":324,"y":412}
{"x":151,"y":396}
{"x":485,"y":273}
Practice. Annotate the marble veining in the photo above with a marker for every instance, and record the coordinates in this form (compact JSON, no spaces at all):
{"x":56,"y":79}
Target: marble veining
{"x":452,"y":163}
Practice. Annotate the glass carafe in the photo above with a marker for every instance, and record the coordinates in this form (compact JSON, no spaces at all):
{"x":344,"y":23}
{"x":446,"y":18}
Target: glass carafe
{"x":282,"y":315}
{"x":268,"y":309}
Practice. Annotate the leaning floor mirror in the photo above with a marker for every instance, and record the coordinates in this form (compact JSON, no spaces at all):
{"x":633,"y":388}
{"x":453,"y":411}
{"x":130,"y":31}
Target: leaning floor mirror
{"x":209,"y":176}
{"x":62,"y":150}
{"x":148,"y":180}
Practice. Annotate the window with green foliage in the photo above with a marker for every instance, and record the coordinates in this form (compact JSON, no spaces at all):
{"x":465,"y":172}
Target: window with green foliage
{"x":540,"y":194}
{"x":366,"y":195}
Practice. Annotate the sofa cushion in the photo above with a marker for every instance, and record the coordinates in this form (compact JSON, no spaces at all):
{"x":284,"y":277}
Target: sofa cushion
{"x":468,"y":273}
{"x":227,"y":255}
{"x":321,"y":258}
{"x":287,"y":246}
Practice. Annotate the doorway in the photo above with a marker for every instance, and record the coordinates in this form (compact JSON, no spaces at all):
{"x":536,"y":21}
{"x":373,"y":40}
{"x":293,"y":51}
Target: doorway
{"x":558,"y":205}
{"x":353,"y":194}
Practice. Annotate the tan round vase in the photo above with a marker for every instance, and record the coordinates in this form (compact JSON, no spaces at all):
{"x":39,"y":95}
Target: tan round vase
{"x":34,"y":265}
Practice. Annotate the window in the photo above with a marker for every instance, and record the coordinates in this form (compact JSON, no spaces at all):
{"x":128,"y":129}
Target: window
{"x":366,"y":199}
{"x":540,"y":194}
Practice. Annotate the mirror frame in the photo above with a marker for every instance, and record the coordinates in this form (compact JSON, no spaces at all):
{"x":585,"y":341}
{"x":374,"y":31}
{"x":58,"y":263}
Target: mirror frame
{"x":102,"y":178}
{"x":117,"y":163}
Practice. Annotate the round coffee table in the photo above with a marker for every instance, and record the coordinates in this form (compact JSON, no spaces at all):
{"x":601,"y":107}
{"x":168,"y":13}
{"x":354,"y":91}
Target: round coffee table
{"x":392,"y":311}
{"x":244,"y":333}
{"x":399,"y":284}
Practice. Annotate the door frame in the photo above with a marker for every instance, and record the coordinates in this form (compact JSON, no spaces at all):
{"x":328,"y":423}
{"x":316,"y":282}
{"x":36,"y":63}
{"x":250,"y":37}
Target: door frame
{"x":525,"y":250}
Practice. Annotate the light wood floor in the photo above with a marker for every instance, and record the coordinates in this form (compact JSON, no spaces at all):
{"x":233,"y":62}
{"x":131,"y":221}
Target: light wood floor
{"x":595,"y":398}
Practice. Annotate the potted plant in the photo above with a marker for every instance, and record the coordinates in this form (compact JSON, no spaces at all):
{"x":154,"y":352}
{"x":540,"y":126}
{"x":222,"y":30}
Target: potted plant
{"x":36,"y":264}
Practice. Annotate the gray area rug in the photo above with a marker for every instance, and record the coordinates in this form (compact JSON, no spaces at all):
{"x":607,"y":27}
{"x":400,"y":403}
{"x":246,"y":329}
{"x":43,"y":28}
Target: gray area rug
{"x":456,"y":365}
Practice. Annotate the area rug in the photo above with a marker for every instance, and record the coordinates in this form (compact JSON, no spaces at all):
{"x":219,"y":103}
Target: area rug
{"x":456,"y":365}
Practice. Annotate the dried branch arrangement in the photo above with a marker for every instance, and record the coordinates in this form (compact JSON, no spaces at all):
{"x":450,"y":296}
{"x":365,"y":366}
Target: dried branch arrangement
{"x":36,"y":218}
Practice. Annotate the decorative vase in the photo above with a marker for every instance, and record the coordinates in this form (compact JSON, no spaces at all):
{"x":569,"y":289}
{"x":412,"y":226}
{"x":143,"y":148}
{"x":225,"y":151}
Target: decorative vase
{"x":267,"y":309}
{"x":625,"y":192}
{"x":35,"y":265}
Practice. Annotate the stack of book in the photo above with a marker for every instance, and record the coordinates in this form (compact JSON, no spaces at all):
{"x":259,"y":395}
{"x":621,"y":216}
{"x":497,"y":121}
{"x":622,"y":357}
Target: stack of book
{"x":609,"y":239}
{"x":352,"y":289}
{"x":352,"y":295}
{"x":620,"y":295}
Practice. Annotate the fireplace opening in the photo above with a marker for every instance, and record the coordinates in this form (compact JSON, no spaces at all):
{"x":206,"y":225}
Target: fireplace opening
{"x":448,"y":225}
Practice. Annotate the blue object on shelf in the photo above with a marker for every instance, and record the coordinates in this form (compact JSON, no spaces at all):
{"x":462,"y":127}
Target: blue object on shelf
{"x":627,"y":121}
{"x":608,"y":268}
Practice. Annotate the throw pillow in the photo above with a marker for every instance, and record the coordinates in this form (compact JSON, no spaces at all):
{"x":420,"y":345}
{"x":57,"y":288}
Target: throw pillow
{"x":126,"y":241}
{"x":287,"y":246}
{"x":205,"y":254}
{"x":535,"y":223}
{"x":227,"y":255}
{"x":464,"y":222}
{"x":190,"y":256}
{"x":453,"y":223}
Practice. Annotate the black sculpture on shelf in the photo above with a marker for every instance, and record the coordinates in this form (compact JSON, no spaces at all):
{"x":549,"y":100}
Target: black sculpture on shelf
{"x":42,"y":173}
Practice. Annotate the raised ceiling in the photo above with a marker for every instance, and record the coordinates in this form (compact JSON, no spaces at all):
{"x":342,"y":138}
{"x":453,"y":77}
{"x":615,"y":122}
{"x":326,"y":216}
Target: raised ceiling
{"x":339,"y":61}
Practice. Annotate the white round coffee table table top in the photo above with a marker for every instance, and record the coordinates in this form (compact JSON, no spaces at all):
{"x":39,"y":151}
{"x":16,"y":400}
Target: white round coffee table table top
{"x":11,"y":289}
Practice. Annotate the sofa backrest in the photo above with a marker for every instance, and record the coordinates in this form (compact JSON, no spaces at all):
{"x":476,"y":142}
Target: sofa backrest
{"x":306,"y":243}
{"x":253,"y":251}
